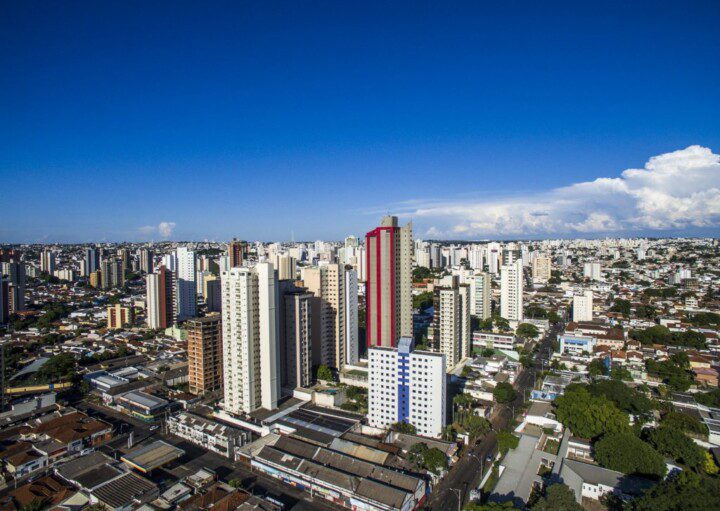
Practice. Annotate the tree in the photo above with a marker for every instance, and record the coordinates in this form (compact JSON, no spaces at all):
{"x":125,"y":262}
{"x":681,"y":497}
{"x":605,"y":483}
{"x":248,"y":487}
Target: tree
{"x":423,"y":300}
{"x":489,"y":506}
{"x":626,"y":453}
{"x":415,"y":454}
{"x":624,"y":397}
{"x":684,"y":422}
{"x":527,"y":331}
{"x":506,"y":441}
{"x":589,"y":416}
{"x":558,"y":497}
{"x":621,"y":306}
{"x":58,"y":367}
{"x":235,"y":483}
{"x":476,"y":426}
{"x":620,"y":373}
{"x":709,"y":465}
{"x":404,"y":427}
{"x":324,"y":373}
{"x":686,"y":492}
{"x":434,"y":460}
{"x":421,"y":273}
{"x":597,"y":367}
{"x":504,"y":392}
{"x":710,"y":398}
{"x":673,"y":442}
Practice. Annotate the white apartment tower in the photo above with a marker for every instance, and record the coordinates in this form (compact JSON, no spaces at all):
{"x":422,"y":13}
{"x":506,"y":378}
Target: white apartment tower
{"x":583,"y":307}
{"x":251,"y":355}
{"x":407,"y":386}
{"x":480,"y":295}
{"x":451,"y":324}
{"x":592,"y":271}
{"x":511,"y":291}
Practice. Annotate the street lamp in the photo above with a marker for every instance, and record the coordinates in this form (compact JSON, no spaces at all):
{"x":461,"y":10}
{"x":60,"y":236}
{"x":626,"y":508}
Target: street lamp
{"x":482,"y":465}
{"x":459,"y":496}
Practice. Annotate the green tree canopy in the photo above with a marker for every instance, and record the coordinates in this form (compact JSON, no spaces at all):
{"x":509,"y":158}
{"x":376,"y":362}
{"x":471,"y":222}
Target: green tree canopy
{"x":324,"y":373}
{"x":597,"y":367}
{"x":506,"y":441}
{"x":686,"y":492}
{"x":673,"y":442}
{"x":57,"y":368}
{"x":558,"y":497}
{"x":504,"y":392}
{"x":626,"y":453}
{"x":527,"y":331}
{"x":710,"y":398}
{"x":589,"y":416}
{"x":404,"y":427}
{"x":624,"y":397}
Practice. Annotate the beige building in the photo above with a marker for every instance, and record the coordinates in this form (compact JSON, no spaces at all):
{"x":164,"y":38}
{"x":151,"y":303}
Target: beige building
{"x":541,"y":269}
{"x":451,"y":323}
{"x":205,"y":366}
{"x":327,"y":283}
{"x":119,"y":316}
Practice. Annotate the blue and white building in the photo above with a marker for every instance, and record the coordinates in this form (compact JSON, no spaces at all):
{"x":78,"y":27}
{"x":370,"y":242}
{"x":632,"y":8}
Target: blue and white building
{"x":407,"y":386}
{"x":576,"y":344}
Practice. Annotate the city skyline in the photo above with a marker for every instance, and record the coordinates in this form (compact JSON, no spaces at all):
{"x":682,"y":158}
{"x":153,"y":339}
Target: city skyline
{"x":309,"y":122}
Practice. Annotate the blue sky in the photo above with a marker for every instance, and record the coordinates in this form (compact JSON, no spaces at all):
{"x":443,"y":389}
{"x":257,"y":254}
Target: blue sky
{"x":258,"y":119}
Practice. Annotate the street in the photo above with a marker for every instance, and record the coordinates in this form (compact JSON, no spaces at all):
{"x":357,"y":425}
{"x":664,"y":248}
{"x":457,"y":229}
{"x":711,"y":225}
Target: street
{"x":451,"y":493}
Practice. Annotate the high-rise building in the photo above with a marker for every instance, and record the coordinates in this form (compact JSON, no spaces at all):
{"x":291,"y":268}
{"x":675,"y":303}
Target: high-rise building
{"x":147,"y":260}
{"x":186,"y":288}
{"x":352,"y":344}
{"x":4,"y":300}
{"x":92,"y":261}
{"x":160,"y":298}
{"x":111,"y":273}
{"x":327,"y":283}
{"x":389,"y":253}
{"x":212,"y":293}
{"x":481,"y":295}
{"x":205,"y":362}
{"x":451,"y":323}
{"x":47,"y":261}
{"x":251,"y":354}
{"x":296,"y":336}
{"x":583,"y":306}
{"x":511,"y":291}
{"x":14,"y":270}
{"x":592,"y":271}
{"x":286,"y":266}
{"x":119,"y":316}
{"x":237,"y":253}
{"x":407,"y":386}
{"x":541,"y":269}
{"x":96,"y":279}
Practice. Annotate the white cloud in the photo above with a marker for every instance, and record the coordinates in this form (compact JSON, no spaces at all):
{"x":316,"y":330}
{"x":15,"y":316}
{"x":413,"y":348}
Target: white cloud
{"x":163,"y":229}
{"x":677,"y":190}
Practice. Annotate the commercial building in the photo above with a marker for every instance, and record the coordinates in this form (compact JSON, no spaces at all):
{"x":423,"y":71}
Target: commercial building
{"x":208,"y":434}
{"x":407,"y":386}
{"x":352,"y":345}
{"x":511,"y":291}
{"x":119,"y":316}
{"x":205,"y":366}
{"x":582,"y":307}
{"x":92,"y":261}
{"x":251,"y":353}
{"x":388,"y":295}
{"x":160,"y":291}
{"x":142,"y":405}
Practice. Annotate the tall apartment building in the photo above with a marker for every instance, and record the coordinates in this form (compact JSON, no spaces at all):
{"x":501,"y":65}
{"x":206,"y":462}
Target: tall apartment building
{"x":237,"y":253}
{"x":147,"y":260}
{"x":352,"y":343}
{"x":111,"y":273}
{"x":186,"y":288}
{"x":327,"y":283}
{"x":212,"y":293}
{"x":160,"y":308}
{"x":582,"y":307}
{"x":451,"y":323}
{"x":251,"y":354}
{"x":389,"y":253}
{"x":91,"y":260}
{"x":407,"y":386}
{"x":541,"y":269}
{"x":286,"y":266}
{"x":511,"y":291}
{"x":296,"y":359}
{"x":14,"y":271}
{"x":205,"y":362}
{"x":119,"y":316}
{"x":4,"y":300}
{"x":95,"y":279}
{"x":481,"y":295}
{"x":47,"y":261}
{"x":592,"y":271}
